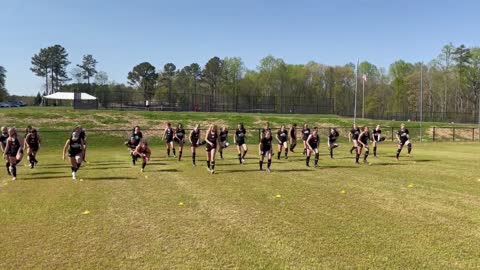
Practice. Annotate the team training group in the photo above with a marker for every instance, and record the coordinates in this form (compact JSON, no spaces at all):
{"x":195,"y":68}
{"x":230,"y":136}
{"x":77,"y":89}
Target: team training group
{"x":214,"y":140}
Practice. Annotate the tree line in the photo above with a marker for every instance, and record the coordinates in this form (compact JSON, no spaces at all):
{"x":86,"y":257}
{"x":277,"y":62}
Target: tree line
{"x":450,"y":82}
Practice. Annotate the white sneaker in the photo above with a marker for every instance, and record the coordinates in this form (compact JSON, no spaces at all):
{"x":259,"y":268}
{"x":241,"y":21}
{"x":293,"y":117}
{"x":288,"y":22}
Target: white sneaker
{"x":208,"y":169}
{"x":142,"y":170}
{"x":14,"y":178}
{"x":268,"y":170}
{"x":243,"y":160}
{"x":74,"y":176}
{"x":212,"y":171}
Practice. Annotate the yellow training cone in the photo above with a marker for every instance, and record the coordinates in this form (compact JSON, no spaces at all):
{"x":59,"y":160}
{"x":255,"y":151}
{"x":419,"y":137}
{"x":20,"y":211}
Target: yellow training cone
{"x":81,"y":180}
{"x":410,"y":186}
{"x":278,"y":196}
{"x":343,"y":192}
{"x":181,"y":203}
{"x":86,"y":212}
{"x":6,"y":184}
{"x":146,"y":176}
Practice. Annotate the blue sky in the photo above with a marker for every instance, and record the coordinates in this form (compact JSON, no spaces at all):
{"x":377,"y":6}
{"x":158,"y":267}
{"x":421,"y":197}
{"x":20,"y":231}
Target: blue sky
{"x":121,"y":34}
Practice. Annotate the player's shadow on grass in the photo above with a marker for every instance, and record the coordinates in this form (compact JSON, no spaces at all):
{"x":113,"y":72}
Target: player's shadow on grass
{"x":388,"y":164}
{"x":44,"y":173}
{"x":102,"y":178}
{"x":162,"y":170}
{"x":46,"y":177}
{"x":338,"y":167}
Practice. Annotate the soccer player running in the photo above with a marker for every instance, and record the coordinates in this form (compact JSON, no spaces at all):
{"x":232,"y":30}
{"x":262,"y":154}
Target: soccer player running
{"x":293,"y":137}
{"x":262,"y":134}
{"x":353,"y":137}
{"x":179,"y":137}
{"x":266,"y":149}
{"x":83,"y":136}
{"x":403,"y":138}
{"x":213,"y":140}
{"x":282,"y":138}
{"x":133,"y":142}
{"x":144,"y":152}
{"x":305,"y":135}
{"x":239,"y":140}
{"x":363,"y":143}
{"x":3,"y":144}
{"x":194,"y":139}
{"x":75,"y":147}
{"x":377,"y":138}
{"x":332,"y":140}
{"x":223,"y":140}
{"x":168,"y":138}
{"x":13,"y":152}
{"x":313,"y":141}
{"x":32,"y":145}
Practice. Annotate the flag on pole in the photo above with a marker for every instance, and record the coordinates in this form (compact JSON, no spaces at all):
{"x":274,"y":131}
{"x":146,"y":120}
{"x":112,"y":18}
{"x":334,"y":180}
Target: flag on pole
{"x":364,"y":77}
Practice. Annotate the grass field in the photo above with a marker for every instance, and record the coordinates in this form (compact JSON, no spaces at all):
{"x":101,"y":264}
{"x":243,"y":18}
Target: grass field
{"x":421,"y":212}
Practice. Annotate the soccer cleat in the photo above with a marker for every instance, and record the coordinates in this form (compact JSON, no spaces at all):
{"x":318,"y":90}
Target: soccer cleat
{"x":74,"y":176}
{"x":316,"y":166}
{"x":212,"y":171}
{"x":268,"y":170}
{"x":209,"y":170}
{"x":14,"y":178}
{"x":142,"y":170}
{"x":243,"y":160}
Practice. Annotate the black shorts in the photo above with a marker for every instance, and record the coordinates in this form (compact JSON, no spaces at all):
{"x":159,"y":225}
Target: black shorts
{"x":303,"y":138}
{"x":402,"y":143}
{"x":314,"y":145}
{"x":264,"y":150}
{"x":282,"y":142}
{"x":34,"y":147}
{"x":74,"y":153}
{"x":210,"y":148}
{"x":178,"y":140}
{"x":14,"y":153}
{"x":240,"y":143}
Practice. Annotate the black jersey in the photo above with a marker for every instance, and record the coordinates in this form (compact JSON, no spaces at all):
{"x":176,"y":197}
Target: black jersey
{"x":136,"y":137}
{"x":169,"y":134}
{"x":404,"y":135}
{"x":3,"y":140}
{"x":75,"y":146}
{"x":293,"y":133}
{"x":240,"y":136}
{"x":365,"y":137}
{"x":282,"y":135}
{"x":33,"y":141}
{"x":332,"y":137}
{"x":355,"y":133}
{"x":180,"y":132}
{"x":14,"y":147}
{"x":306,"y":133}
{"x":212,"y":137}
{"x":377,"y":134}
{"x":266,"y":144}
{"x":223,"y":136}
{"x":194,"y":137}
{"x":313,"y":141}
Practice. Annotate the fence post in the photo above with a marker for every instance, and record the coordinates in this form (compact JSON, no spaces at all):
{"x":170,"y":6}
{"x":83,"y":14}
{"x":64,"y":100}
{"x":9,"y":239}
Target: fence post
{"x":453,"y":134}
{"x":392,"y":134}
{"x":433,"y":133}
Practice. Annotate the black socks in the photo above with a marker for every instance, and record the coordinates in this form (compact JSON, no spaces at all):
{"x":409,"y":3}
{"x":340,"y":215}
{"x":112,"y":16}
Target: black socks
{"x":208,"y":164}
{"x":193,"y":158}
{"x":168,"y":151}
{"x":261,"y":164}
{"x":14,"y":170}
{"x":317,"y":157}
{"x":308,"y":161}
{"x":375,"y":151}
{"x":240,"y":158}
{"x":213,"y":165}
{"x":144,"y":163}
{"x":269,"y":163}
{"x":409,"y":148}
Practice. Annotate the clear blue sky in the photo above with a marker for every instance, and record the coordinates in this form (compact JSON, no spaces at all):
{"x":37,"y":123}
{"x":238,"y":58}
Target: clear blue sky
{"x":121,"y":34}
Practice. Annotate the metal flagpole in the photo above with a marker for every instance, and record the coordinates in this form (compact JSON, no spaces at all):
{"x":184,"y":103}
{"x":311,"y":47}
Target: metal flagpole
{"x":421,"y":99}
{"x":363,"y":98}
{"x":356,"y":90}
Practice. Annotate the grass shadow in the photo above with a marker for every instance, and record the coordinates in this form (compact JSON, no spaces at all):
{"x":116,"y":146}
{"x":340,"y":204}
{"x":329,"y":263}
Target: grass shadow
{"x":108,"y":178}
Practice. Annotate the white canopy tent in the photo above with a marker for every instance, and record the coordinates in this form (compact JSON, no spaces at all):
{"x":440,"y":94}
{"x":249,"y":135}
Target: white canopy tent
{"x":69,"y":96}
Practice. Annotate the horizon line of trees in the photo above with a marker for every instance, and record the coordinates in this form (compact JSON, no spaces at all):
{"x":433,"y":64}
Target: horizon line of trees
{"x":451,"y":81}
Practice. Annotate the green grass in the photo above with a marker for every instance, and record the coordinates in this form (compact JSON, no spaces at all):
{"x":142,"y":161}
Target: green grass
{"x":234,"y":219}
